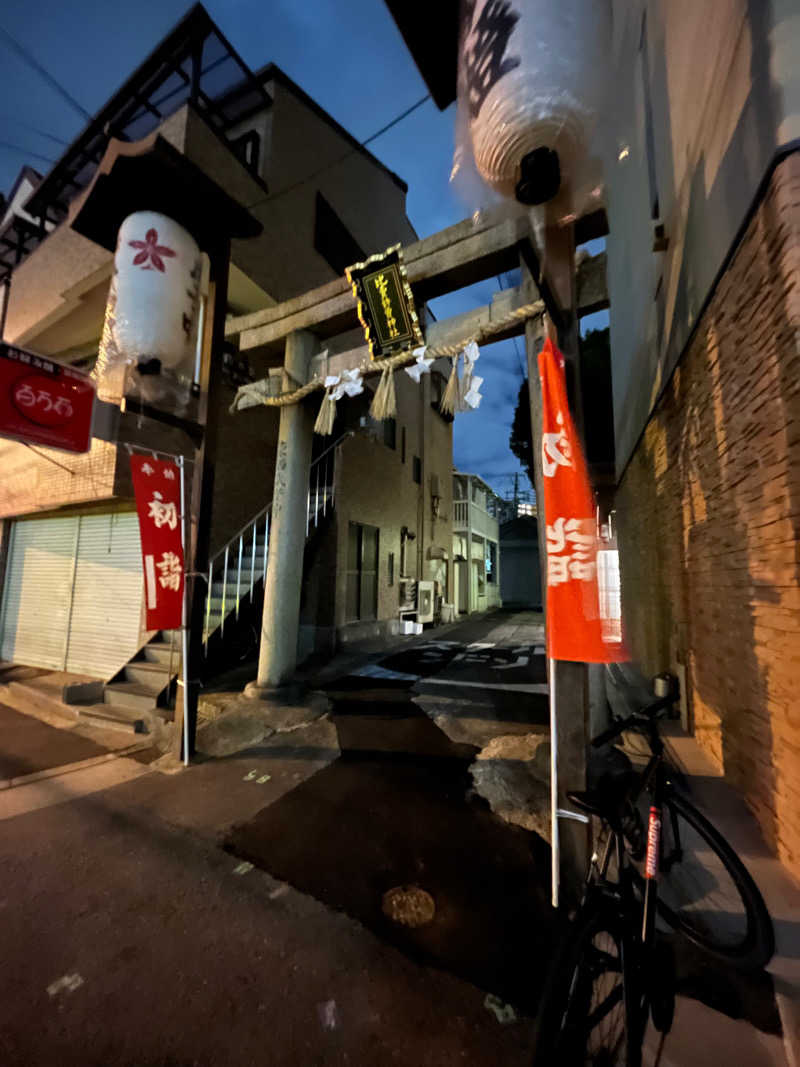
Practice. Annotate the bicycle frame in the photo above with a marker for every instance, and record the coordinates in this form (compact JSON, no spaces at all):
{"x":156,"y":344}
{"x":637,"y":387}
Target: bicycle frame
{"x":653,"y":779}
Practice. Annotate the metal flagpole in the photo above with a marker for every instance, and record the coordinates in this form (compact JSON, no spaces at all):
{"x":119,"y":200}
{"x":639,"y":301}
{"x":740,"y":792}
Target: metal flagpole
{"x":554,"y":813}
{"x":184,"y":681}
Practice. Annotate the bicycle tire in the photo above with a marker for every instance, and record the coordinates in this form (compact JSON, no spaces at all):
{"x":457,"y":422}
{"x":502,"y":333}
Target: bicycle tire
{"x":564,"y":1032}
{"x":750,"y":945}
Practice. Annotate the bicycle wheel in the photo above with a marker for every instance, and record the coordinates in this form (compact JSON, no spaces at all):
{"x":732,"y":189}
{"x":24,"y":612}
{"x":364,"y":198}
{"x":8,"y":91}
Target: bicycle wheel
{"x":705,"y":891}
{"x":588,"y":1013}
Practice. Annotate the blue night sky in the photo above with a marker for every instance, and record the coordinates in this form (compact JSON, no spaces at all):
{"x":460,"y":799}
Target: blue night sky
{"x":331,"y":48}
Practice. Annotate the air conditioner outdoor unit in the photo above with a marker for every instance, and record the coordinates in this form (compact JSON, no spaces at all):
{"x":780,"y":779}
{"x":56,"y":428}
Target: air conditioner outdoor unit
{"x":425,"y":601}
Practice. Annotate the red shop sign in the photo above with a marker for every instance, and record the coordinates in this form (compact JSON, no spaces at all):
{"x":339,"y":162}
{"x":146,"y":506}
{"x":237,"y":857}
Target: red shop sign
{"x":44,"y":403}
{"x":157,"y":488}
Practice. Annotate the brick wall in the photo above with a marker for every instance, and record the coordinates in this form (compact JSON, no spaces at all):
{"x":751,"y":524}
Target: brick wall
{"x":709,"y":520}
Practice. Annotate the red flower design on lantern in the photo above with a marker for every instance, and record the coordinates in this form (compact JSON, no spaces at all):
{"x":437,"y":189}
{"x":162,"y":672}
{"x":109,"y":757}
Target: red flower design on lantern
{"x":150,"y":250}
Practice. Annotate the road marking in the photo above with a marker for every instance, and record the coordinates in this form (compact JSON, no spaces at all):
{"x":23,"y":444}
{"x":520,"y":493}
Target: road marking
{"x":521,"y":661}
{"x":509,"y":687}
{"x":328,"y":1015}
{"x":243,"y":868}
{"x":372,"y":670}
{"x":67,"y":984}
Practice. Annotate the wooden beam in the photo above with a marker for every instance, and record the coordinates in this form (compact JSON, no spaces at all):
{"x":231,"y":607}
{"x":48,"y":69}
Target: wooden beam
{"x":336,"y":314}
{"x":451,"y":259}
{"x":447,"y":332}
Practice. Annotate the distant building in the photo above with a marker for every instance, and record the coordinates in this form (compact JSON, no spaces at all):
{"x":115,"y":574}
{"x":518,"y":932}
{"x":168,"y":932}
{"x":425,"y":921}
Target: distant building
{"x":520,"y":575}
{"x":476,"y":535}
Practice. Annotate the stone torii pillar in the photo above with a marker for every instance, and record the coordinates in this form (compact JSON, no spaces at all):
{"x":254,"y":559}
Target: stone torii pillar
{"x":280,"y":623}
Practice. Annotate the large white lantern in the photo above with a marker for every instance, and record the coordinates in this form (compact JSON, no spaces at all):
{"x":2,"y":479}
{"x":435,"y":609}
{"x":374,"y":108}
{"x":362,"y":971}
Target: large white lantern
{"x":157,"y":275}
{"x":532,"y":75}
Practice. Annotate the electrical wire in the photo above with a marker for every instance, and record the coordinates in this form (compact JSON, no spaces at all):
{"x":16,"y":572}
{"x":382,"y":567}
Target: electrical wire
{"x":25,"y":152}
{"x":395,"y":121}
{"x":33,"y":129}
{"x":32,"y":62}
{"x":329,"y":166}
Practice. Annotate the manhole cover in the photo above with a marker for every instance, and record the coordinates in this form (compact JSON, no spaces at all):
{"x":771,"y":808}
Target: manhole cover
{"x":408,"y":905}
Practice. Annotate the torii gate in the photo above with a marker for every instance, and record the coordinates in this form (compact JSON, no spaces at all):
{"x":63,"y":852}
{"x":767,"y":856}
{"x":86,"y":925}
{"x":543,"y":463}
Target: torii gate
{"x":551,"y":298}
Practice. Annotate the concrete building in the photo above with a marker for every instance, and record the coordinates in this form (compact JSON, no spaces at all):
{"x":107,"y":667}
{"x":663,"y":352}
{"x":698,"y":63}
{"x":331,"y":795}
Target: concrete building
{"x":476,"y":534}
{"x":393,"y":519}
{"x":70,"y":567}
{"x":520,"y":572}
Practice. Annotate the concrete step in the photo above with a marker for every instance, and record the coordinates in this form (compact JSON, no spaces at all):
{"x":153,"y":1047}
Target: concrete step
{"x":113,"y":718}
{"x":154,"y":676}
{"x":161,"y":652}
{"x":130,"y":695}
{"x":43,"y":700}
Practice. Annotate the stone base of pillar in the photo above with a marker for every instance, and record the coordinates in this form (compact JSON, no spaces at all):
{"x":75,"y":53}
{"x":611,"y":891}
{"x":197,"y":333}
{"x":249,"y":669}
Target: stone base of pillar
{"x":254,"y":691}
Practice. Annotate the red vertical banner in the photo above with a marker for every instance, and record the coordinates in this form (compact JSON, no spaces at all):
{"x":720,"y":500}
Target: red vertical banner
{"x":574,"y":627}
{"x":157,"y":488}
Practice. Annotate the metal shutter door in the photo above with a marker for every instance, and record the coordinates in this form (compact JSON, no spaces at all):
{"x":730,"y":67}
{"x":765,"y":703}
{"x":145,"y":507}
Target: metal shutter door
{"x":38,"y":591}
{"x":107,"y":595}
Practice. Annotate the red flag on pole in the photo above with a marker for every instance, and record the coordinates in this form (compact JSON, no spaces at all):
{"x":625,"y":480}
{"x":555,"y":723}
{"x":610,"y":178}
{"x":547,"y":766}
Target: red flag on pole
{"x":157,"y":488}
{"x":574,"y":626}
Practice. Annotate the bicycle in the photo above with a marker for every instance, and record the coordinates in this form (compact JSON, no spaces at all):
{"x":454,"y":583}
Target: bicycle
{"x":614,"y":972}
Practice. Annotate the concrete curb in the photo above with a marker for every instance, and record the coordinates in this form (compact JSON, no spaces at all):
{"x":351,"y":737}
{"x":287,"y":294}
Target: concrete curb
{"x":69,"y":768}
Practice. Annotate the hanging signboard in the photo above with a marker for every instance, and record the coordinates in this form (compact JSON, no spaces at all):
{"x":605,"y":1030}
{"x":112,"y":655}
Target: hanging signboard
{"x":44,"y":403}
{"x":385,"y":303}
{"x":156,"y":486}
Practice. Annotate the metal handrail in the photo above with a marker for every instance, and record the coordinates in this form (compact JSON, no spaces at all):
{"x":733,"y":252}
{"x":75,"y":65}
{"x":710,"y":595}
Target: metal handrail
{"x":321,"y":487}
{"x":264,"y":510}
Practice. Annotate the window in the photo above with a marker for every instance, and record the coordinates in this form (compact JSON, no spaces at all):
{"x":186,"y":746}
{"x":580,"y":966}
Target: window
{"x":247,"y":149}
{"x":390,"y":568}
{"x":403,"y":445}
{"x":417,"y":470}
{"x":333,"y":240}
{"x":361,"y":602}
{"x":491,"y":562}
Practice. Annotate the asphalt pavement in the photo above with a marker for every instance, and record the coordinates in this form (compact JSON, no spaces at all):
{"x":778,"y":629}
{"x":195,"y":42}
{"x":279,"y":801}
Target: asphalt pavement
{"x":233,"y":913}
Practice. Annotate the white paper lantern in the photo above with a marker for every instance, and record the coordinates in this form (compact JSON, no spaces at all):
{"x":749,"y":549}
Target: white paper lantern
{"x":157,"y":267}
{"x":532,"y":75}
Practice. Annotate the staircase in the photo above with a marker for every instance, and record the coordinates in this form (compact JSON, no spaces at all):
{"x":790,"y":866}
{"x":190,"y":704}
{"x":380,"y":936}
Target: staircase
{"x":136,"y":699}
{"x":131,"y":699}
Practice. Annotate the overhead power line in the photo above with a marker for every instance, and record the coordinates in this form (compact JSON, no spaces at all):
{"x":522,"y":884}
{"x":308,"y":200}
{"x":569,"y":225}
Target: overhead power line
{"x":33,"y":129}
{"x":341,"y":159}
{"x":394,"y":121}
{"x":25,"y":152}
{"x":32,"y":62}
